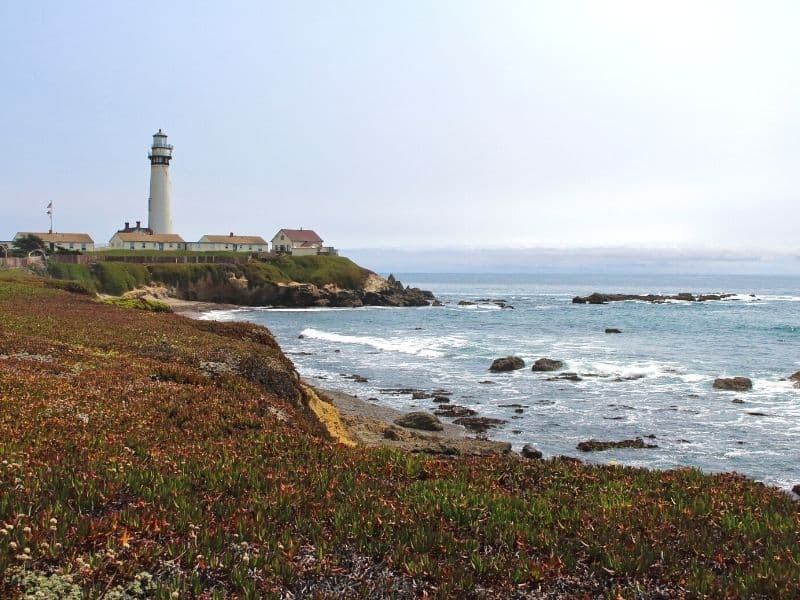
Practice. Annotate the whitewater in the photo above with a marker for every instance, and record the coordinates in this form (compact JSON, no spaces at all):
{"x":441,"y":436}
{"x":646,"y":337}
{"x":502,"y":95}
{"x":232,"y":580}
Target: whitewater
{"x":653,"y":379}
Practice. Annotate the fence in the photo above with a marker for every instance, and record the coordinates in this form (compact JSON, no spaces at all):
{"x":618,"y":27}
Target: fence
{"x":14,"y":263}
{"x":191,"y":260}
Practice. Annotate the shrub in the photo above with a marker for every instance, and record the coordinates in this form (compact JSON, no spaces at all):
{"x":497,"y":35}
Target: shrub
{"x":182,"y":275}
{"x":79,"y":274}
{"x":117,"y":278}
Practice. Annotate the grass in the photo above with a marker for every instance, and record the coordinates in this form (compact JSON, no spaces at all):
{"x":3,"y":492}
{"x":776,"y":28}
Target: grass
{"x":138,"y":304}
{"x":184,"y":450}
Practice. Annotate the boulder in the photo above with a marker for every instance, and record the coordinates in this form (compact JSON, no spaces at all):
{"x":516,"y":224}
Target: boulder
{"x":420,"y":420}
{"x":613,"y":330}
{"x":547,"y":364}
{"x":441,"y":399}
{"x":465,"y":303}
{"x":733,"y":384}
{"x":390,"y":433}
{"x":570,"y":376}
{"x":528,"y":451}
{"x":454,"y":410}
{"x":478,"y":424}
{"x":597,"y":445}
{"x":420,"y":395}
{"x":796,"y":489}
{"x":507,"y":363}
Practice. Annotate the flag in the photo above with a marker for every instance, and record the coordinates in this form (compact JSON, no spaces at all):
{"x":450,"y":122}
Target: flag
{"x":50,"y":209}
{"x":50,"y":205}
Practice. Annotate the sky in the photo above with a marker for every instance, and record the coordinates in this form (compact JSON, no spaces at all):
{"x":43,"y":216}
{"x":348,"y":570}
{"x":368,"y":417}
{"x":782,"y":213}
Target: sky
{"x":409,"y":126}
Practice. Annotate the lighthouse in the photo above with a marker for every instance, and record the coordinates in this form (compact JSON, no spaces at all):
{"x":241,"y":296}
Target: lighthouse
{"x":159,"y":208}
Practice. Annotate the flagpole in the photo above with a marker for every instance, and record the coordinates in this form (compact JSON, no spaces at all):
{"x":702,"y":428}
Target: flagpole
{"x":50,"y":213}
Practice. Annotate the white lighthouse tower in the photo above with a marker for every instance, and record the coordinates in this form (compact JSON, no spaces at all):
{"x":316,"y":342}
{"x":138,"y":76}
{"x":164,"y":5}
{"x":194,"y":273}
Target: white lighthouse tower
{"x":160,"y":204}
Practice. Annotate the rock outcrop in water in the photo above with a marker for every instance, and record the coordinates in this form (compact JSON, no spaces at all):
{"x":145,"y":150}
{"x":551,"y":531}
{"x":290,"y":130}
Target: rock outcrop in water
{"x":733,"y":384}
{"x":507,"y":363}
{"x":598,"y":446}
{"x":547,"y":364}
{"x":598,"y":298}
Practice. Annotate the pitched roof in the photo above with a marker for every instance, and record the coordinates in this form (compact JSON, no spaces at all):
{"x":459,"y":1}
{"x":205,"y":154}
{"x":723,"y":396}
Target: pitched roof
{"x":234,"y":239}
{"x":60,"y":238}
{"x":139,"y":236}
{"x":301,"y":235}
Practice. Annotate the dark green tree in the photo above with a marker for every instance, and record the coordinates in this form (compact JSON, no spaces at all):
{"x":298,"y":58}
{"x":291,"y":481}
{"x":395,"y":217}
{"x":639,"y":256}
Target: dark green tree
{"x":26,"y":244}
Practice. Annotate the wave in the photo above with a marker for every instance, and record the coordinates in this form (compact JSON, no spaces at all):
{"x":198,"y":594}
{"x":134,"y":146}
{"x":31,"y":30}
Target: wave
{"x":417,"y":346}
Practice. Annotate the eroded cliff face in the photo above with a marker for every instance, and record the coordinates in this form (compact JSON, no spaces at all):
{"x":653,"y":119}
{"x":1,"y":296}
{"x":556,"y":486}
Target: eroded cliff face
{"x":238,"y":290}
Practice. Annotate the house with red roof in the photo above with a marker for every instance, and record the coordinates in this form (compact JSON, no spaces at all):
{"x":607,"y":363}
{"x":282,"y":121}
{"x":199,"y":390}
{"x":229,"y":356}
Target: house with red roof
{"x":300,"y":242}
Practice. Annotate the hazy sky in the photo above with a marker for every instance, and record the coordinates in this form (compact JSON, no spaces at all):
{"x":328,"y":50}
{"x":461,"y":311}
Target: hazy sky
{"x":410,"y":124}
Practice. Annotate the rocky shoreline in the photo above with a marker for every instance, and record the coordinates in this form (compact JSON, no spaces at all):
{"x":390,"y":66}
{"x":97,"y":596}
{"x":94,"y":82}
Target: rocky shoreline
{"x":375,"y":291}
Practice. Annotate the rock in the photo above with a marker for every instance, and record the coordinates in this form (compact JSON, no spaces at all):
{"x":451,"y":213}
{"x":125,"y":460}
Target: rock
{"x":795,"y":376}
{"x":441,"y":399}
{"x":437,"y":303}
{"x":569,"y":376}
{"x":487,"y":382}
{"x":597,"y":445}
{"x":465,"y":303}
{"x":390,"y":433}
{"x":354,"y":377}
{"x":796,"y":489}
{"x":420,"y":420}
{"x":454,"y":410}
{"x":301,"y":337}
{"x":508,"y":363}
{"x":597,"y":298}
{"x":613,"y":330}
{"x":478,"y":424}
{"x":547,"y":364}
{"x":733,"y":384}
{"x":737,"y":401}
{"x":528,"y":451}
{"x":420,"y":395}
{"x":756,"y":413}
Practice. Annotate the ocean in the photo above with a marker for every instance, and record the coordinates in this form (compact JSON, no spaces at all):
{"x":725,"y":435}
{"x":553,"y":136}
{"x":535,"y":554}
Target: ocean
{"x":653,"y":379}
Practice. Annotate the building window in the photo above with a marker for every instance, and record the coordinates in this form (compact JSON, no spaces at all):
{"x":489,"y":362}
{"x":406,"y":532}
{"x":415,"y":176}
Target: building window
{"x":144,"y":245}
{"x":132,"y":246}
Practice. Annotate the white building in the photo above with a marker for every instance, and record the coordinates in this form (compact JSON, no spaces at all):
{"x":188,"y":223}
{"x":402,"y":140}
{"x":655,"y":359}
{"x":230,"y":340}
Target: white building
{"x":142,"y":240}
{"x":229,"y":243}
{"x":160,"y":203}
{"x":299,"y":242}
{"x":66,"y":241}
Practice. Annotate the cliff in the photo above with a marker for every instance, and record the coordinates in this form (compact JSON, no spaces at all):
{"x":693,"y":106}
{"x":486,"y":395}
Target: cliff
{"x":283,"y":281}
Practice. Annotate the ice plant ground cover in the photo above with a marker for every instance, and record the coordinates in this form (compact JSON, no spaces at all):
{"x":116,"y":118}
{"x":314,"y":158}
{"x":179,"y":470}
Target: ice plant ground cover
{"x":142,"y":453}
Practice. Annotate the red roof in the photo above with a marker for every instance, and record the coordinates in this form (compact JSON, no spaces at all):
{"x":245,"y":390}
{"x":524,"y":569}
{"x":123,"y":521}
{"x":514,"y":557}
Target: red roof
{"x":301,"y":235}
